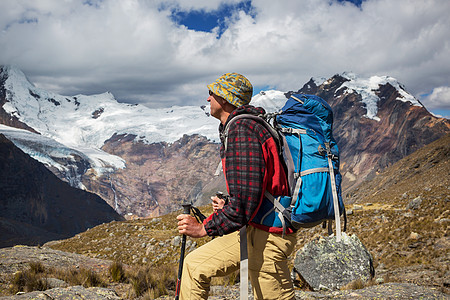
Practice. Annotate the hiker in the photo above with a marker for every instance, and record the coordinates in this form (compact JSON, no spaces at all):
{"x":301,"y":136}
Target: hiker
{"x":251,"y":166}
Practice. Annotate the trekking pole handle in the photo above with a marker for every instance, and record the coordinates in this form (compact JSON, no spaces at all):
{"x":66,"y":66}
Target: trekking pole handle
{"x":220,"y":195}
{"x":186,"y":210}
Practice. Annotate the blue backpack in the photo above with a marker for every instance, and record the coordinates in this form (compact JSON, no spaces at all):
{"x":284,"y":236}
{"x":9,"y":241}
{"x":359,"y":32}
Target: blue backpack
{"x":303,"y":130}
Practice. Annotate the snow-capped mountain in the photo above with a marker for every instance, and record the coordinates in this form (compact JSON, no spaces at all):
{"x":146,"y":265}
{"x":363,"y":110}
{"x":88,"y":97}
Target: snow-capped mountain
{"x":376,"y":123}
{"x":140,"y":160}
{"x":368,"y":87}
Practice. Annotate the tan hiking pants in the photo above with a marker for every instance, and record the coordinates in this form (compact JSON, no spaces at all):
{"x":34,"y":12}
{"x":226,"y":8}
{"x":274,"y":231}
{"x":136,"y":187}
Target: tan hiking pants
{"x":267,"y":260}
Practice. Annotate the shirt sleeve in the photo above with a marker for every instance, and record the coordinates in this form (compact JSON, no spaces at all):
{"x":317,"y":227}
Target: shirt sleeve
{"x":245,"y":170}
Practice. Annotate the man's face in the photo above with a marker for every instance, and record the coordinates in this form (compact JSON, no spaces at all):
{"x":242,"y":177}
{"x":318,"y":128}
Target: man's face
{"x":215,"y":105}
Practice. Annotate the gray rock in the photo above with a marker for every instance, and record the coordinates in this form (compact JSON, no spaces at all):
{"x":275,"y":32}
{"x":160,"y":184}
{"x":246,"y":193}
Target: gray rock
{"x":328,"y":263}
{"x":415,"y":203}
{"x":55,"y":282}
{"x":176,"y":241}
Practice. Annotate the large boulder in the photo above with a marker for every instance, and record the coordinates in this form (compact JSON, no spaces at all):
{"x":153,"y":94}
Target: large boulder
{"x":328,"y":264}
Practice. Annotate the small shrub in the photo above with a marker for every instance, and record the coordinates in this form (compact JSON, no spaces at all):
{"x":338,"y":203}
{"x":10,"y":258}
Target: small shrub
{"x":36,"y":267}
{"x":354,"y":285}
{"x":90,"y":279}
{"x":117,"y":272}
{"x":152,"y":283}
{"x":28,"y":281}
{"x":84,"y":277}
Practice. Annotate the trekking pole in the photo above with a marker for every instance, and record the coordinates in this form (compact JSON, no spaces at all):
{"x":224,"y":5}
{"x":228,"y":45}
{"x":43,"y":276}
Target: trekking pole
{"x":186,"y":210}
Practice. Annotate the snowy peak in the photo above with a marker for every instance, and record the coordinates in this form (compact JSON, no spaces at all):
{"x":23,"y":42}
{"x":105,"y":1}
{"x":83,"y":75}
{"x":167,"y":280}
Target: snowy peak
{"x":90,"y":120}
{"x":368,"y":88}
{"x":15,"y":75}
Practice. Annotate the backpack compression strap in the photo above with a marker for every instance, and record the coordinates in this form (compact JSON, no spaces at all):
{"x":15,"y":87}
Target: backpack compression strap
{"x":334,"y":192}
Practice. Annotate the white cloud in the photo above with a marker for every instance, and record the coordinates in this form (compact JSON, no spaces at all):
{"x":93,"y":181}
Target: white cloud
{"x":134,"y":50}
{"x":438,"y":99}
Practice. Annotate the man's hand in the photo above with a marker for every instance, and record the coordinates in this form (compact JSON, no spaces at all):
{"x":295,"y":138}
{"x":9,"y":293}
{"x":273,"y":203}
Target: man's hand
{"x":189,"y":226}
{"x":217,"y":203}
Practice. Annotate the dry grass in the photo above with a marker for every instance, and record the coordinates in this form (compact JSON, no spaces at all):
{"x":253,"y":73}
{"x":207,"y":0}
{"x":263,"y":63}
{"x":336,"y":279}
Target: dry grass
{"x":117,"y":272}
{"x":150,"y":282}
{"x":143,"y":281}
{"x":31,"y":279}
{"x":36,"y":278}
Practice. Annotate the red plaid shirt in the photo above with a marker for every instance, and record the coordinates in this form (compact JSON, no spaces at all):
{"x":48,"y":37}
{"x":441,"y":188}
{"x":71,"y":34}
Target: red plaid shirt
{"x":251,"y":165}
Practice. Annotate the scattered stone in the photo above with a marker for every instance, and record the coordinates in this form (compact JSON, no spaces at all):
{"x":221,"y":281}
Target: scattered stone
{"x":357,"y":207}
{"x":156,"y":220}
{"x":176,"y":241}
{"x":149,"y":249}
{"x":445,"y":220}
{"x":415,"y":203}
{"x":328,"y":263}
{"x":408,"y":214}
{"x":404,"y":196}
{"x":55,"y":283}
{"x":414,"y":236}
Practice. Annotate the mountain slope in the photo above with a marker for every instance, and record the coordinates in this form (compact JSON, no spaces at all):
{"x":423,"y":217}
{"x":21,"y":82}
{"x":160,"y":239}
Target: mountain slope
{"x":36,"y":206}
{"x":426,"y":171}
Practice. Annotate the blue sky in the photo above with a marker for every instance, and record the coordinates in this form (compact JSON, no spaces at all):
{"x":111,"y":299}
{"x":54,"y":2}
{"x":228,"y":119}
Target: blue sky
{"x":201,"y":20}
{"x":163,"y":53}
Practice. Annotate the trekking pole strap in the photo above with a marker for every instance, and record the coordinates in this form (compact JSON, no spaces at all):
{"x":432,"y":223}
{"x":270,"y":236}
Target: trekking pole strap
{"x":198,"y":214}
{"x":243,"y":286}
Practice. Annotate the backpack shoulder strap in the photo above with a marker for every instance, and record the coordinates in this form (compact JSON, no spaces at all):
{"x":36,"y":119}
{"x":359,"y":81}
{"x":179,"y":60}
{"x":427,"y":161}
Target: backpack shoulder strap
{"x":258,"y":118}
